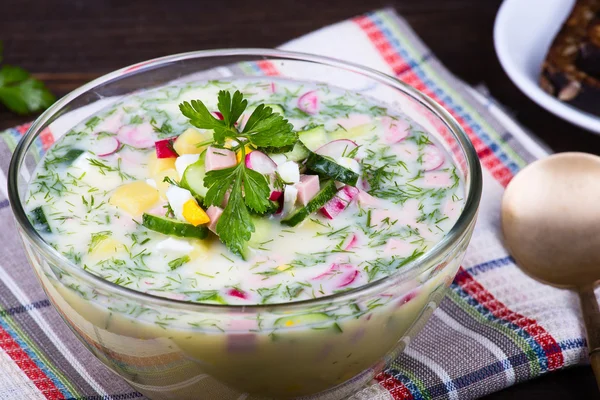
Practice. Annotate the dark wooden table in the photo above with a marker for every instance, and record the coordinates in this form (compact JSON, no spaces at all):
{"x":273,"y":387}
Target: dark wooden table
{"x":69,"y":42}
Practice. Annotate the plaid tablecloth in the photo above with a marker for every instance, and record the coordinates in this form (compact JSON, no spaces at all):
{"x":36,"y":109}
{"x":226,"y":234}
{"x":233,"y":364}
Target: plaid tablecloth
{"x":497,"y":327}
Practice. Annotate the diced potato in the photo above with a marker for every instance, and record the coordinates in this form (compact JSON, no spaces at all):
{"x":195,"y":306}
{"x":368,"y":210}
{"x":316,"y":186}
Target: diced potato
{"x":194,"y":214}
{"x":134,"y":198}
{"x":156,"y":165}
{"x":106,"y":248}
{"x":161,"y":185}
{"x":187,"y":141}
{"x":200,"y":251}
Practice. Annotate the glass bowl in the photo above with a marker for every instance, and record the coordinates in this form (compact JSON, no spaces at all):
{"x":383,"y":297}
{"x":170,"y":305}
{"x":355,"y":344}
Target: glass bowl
{"x":171,"y":349}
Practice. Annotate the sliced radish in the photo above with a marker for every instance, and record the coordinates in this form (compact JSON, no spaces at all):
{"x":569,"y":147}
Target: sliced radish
{"x":337,"y":148}
{"x":140,"y":137}
{"x":331,"y":271}
{"x":260,"y":162}
{"x":164,"y":148}
{"x":350,"y":242}
{"x":309,"y":102}
{"x":433,"y":158}
{"x":218,"y":115}
{"x":349,"y":277}
{"x":340,"y":202}
{"x":394,"y":130}
{"x":273,"y":88}
{"x":275,"y":195}
{"x":106,"y":146}
{"x":237,"y":293}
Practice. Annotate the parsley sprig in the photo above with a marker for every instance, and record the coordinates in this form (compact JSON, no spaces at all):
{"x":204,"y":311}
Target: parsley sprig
{"x":249,"y":190}
{"x":20,"y":92}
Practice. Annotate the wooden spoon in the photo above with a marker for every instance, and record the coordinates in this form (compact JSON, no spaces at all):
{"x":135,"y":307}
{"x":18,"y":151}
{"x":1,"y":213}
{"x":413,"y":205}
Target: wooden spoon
{"x":551,"y":225}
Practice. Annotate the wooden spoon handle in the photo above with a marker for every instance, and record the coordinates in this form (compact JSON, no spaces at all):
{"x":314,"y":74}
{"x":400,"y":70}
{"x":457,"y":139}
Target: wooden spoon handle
{"x":591,"y":319}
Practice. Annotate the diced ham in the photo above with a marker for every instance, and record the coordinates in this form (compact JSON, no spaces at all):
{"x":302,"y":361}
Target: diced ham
{"x":366,"y":200}
{"x":438,"y":179}
{"x":395,"y":247}
{"x":308,"y":187}
{"x":219,"y":159}
{"x":214,"y":213}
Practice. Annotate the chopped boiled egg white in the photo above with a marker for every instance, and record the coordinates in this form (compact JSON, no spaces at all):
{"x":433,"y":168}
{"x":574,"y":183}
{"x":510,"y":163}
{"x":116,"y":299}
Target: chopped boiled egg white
{"x":349,"y":163}
{"x":185,"y":207}
{"x":177,"y":197}
{"x":152,"y":183}
{"x":289,"y":172}
{"x":290,"y":195}
{"x":177,"y":246}
{"x":184,"y":161}
{"x":278,"y":158}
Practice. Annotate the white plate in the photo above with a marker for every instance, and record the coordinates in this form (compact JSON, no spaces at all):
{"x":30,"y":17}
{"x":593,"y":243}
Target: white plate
{"x":523,"y":32}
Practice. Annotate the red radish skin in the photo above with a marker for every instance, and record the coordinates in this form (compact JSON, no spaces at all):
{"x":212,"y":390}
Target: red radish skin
{"x":352,"y":242}
{"x":348,"y":278}
{"x":273,"y":87}
{"x":395,"y":130}
{"x":260,"y":162}
{"x":164,"y":148}
{"x":433,"y":158}
{"x":275,"y":195}
{"x":218,"y":115}
{"x":309,"y":102}
{"x":237,"y":293}
{"x":337,"y":148}
{"x":340,"y":202}
{"x":107,"y":145}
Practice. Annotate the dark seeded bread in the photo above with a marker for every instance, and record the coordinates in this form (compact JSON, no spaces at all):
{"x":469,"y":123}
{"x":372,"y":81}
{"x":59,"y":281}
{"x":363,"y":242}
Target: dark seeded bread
{"x":571,"y":71}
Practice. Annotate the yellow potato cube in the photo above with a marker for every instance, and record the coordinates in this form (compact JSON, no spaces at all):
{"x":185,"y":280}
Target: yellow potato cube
{"x":161,"y":185}
{"x":187,"y":142}
{"x":106,"y":247}
{"x":200,"y":251}
{"x":156,"y":165}
{"x":134,"y":198}
{"x":194,"y":214}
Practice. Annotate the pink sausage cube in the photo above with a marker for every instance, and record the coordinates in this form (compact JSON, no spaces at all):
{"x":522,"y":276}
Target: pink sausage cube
{"x":219,"y":159}
{"x":214,"y":213}
{"x":308,"y":187}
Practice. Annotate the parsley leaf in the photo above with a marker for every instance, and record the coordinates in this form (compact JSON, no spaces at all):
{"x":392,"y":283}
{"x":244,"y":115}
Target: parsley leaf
{"x":268,"y":129}
{"x":21,"y":93}
{"x":248,"y":189}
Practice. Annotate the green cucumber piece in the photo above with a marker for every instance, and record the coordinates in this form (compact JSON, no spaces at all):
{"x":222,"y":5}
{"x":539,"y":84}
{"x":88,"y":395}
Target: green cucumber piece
{"x":39,"y":220}
{"x":263,"y":231}
{"x":193,"y":179}
{"x":327,"y":168}
{"x":277,"y":108}
{"x":298,"y":153}
{"x":327,"y":192}
{"x":313,"y":138}
{"x":301,"y":320}
{"x":173,"y":227}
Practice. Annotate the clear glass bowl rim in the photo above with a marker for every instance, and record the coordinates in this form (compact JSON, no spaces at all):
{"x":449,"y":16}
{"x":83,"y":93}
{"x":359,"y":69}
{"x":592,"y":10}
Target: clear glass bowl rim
{"x":462,"y":224}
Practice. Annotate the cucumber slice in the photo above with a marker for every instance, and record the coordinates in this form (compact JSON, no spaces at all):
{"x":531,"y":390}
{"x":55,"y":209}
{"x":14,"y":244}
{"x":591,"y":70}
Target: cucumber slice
{"x":313,"y":138}
{"x":328,"y":190}
{"x":327,"y":168}
{"x":306,"y":319}
{"x":263,"y":231}
{"x":39,"y":221}
{"x":298,"y":153}
{"x":173,"y":227}
{"x":193,"y":179}
{"x":276,"y":109}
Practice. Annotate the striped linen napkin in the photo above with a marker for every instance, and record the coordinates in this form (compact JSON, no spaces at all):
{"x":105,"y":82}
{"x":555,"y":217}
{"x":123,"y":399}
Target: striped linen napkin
{"x":497,"y":327}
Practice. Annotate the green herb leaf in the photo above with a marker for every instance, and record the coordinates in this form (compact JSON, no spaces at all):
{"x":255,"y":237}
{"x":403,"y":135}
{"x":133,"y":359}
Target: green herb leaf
{"x":199,"y":115}
{"x":178,"y":262}
{"x":97,"y":238}
{"x":21,"y":93}
{"x":231,"y":107}
{"x":268,"y":129}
